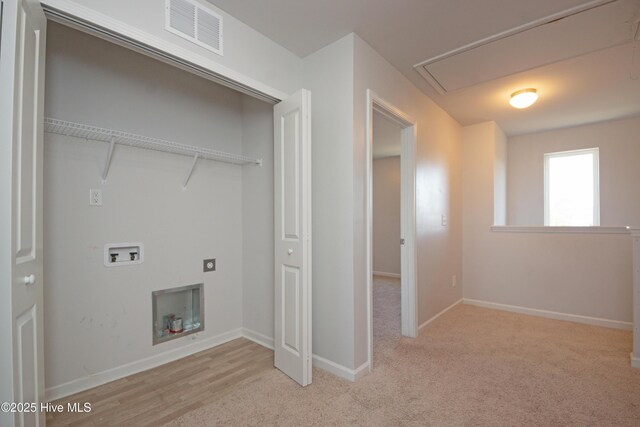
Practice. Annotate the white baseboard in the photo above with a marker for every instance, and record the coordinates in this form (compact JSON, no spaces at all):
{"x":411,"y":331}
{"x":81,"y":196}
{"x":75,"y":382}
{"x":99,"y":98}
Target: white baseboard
{"x":424,"y":325}
{"x":339,"y":370}
{"x":635,"y":361}
{"x":595,"y":321}
{"x":258,"y":338}
{"x":383,"y":274}
{"x":318,"y":362}
{"x":99,"y":378}
{"x":361,"y":371}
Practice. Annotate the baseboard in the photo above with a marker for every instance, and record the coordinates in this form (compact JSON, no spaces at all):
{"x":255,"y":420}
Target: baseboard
{"x":339,"y":370}
{"x":318,"y":362}
{"x":361,"y":371}
{"x":94,"y":380}
{"x":635,"y":361}
{"x":258,"y":338}
{"x":424,"y":325}
{"x":383,"y":274}
{"x":595,"y":321}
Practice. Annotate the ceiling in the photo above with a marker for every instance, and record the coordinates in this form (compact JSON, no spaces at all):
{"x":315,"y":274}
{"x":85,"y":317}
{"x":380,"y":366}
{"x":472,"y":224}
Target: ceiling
{"x":582,"y":82}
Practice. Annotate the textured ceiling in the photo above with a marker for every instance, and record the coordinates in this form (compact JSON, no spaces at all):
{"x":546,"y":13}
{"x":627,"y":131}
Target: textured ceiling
{"x":406,"y":32}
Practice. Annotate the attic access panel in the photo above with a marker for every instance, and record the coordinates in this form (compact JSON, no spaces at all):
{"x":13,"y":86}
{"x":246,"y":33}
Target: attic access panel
{"x":569,"y":34}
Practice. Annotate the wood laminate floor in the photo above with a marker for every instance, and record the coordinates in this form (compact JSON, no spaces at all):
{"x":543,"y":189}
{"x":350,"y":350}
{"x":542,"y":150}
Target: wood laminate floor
{"x":162,"y":394}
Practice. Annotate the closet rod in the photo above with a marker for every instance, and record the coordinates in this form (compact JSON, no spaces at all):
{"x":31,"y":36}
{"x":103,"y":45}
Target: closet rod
{"x":95,"y":133}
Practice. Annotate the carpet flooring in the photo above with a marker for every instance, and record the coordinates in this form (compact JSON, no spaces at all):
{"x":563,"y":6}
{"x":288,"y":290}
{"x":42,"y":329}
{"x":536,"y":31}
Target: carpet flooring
{"x":472,"y":366}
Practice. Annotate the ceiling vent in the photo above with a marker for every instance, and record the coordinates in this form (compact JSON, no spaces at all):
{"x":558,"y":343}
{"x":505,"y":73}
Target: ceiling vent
{"x":194,"y":22}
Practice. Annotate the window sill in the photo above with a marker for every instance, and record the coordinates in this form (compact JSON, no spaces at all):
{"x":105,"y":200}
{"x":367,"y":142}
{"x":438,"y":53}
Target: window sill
{"x":563,"y":230}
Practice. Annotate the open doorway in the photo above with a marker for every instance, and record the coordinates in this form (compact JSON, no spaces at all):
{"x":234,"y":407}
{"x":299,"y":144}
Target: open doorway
{"x":386,"y":280}
{"x":391,"y":265}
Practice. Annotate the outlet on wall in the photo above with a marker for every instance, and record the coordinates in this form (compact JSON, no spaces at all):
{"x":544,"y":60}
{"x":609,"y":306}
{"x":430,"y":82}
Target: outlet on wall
{"x":444,"y":220}
{"x":209,"y":265}
{"x":95,"y":197}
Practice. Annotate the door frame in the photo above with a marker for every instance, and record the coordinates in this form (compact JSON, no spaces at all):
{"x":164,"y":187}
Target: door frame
{"x":408,"y":252}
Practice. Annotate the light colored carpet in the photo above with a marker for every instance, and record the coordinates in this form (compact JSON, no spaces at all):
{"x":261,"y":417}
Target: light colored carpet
{"x":472,"y":366}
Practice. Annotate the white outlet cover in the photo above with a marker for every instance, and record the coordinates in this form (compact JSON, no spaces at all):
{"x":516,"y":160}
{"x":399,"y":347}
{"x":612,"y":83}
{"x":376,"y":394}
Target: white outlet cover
{"x":95,"y":197}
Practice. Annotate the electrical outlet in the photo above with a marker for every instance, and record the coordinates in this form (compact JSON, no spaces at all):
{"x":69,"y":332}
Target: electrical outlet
{"x":444,"y":220}
{"x":454,"y":282}
{"x":209,"y":265}
{"x":95,"y":197}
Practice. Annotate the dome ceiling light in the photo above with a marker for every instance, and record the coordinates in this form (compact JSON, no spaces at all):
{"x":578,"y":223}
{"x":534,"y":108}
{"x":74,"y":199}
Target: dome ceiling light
{"x":523,"y":98}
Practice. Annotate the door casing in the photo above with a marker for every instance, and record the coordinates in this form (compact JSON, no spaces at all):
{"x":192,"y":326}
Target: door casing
{"x":408,"y":273}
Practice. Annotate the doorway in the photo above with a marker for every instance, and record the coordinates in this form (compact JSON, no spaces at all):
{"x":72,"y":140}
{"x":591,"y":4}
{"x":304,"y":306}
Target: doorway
{"x":386,"y":242}
{"x":388,"y":119}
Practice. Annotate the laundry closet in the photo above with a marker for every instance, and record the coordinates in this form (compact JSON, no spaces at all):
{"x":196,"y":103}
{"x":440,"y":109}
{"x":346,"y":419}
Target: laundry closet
{"x":124,"y":224}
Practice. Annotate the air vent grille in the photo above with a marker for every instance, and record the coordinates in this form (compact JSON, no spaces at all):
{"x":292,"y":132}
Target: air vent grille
{"x":196,"y":23}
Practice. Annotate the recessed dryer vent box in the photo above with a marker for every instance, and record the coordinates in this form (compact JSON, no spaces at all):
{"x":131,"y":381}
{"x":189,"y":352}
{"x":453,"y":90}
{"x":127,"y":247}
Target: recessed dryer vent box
{"x":119,"y":254}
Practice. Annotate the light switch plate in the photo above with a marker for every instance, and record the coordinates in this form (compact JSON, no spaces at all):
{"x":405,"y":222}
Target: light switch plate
{"x":209,"y":265}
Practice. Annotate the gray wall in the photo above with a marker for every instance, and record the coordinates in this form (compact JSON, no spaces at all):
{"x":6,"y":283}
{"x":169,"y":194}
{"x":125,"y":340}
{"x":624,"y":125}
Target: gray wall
{"x":619,"y":144}
{"x":583,"y":277}
{"x":328,"y":74}
{"x":257,"y":220}
{"x":386,"y":214}
{"x":99,"y":318}
{"x":438,"y":190}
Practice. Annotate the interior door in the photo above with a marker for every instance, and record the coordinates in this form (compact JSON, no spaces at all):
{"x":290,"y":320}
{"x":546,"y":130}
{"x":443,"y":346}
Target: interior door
{"x":22,"y":50}
{"x":292,"y":204}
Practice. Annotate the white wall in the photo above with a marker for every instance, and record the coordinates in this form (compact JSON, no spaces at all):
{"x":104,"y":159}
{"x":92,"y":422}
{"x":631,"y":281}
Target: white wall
{"x":619,"y":173}
{"x":500,"y":178}
{"x":248,"y":55}
{"x":328,"y":74}
{"x":438,"y":190}
{"x":257,"y":220}
{"x":579,"y":275}
{"x":98,"y":318}
{"x":386,"y":214}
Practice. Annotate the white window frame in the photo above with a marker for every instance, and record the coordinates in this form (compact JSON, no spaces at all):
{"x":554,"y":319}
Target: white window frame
{"x":596,"y":180}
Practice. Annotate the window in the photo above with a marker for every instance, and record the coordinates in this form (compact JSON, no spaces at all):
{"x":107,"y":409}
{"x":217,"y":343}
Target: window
{"x":571,"y":188}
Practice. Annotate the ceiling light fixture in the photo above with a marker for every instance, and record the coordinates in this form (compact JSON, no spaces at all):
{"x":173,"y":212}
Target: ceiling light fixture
{"x":523,"y":98}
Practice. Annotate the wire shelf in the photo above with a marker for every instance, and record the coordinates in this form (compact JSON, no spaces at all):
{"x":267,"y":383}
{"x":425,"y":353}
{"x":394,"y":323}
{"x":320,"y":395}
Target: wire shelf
{"x":94,"y":133}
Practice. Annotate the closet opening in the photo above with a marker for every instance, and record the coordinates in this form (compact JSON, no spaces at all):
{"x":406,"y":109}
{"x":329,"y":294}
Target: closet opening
{"x":137,"y":150}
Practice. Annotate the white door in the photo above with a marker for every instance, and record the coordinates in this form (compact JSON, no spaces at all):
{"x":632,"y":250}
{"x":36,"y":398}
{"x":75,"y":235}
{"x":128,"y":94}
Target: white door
{"x":22,"y":63}
{"x":292,"y":204}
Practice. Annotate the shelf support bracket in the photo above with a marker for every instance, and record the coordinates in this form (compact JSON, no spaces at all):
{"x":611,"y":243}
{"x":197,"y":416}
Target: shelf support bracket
{"x":107,"y":164}
{"x":193,"y":166}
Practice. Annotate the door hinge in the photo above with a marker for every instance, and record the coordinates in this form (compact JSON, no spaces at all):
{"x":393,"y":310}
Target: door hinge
{"x":402,"y":241}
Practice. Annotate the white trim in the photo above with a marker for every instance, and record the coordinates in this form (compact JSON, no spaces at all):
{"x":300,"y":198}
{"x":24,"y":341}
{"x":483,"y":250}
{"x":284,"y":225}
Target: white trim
{"x":258,"y":338}
{"x":635,"y":361}
{"x":384,"y":274}
{"x":576,"y":318}
{"x":99,"y":378}
{"x":408,"y":272}
{"x":339,"y":370}
{"x":118,"y":31}
{"x":561,"y":230}
{"x":425,"y":324}
{"x":318,"y":362}
{"x":360,"y":371}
